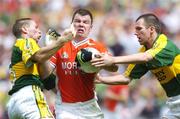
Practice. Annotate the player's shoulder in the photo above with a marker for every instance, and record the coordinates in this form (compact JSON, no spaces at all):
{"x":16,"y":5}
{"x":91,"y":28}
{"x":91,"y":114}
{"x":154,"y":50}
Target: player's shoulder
{"x":24,"y":40}
{"x":96,"y":42}
{"x":98,"y":45}
{"x":93,"y":40}
{"x":163,"y":42}
{"x":64,"y":50}
{"x":66,"y":46}
{"x":19,"y":42}
{"x":23,"y":43}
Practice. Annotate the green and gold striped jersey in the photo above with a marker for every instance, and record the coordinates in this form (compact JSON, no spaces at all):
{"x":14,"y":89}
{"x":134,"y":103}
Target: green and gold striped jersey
{"x":23,"y":71}
{"x":165,"y":65}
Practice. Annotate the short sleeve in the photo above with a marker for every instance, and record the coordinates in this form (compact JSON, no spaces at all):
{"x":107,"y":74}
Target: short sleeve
{"x":101,"y":47}
{"x":135,"y":71}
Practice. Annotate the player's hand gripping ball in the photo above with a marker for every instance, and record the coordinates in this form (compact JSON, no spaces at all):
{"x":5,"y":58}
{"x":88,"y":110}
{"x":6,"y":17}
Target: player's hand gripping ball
{"x":51,"y":35}
{"x":83,"y":58}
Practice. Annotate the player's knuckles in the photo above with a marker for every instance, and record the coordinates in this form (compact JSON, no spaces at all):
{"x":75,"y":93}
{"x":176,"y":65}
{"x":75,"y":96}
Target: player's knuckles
{"x":54,"y":35}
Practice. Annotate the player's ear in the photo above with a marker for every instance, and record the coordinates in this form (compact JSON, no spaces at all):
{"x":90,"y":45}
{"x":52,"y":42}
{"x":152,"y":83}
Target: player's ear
{"x":24,"y":30}
{"x":152,"y":28}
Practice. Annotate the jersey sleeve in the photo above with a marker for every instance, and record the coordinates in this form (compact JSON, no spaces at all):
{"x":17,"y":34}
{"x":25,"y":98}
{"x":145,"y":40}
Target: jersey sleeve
{"x":29,"y":47}
{"x":163,"y":53}
{"x":102,"y":48}
{"x":135,"y":71}
{"x":53,"y":61}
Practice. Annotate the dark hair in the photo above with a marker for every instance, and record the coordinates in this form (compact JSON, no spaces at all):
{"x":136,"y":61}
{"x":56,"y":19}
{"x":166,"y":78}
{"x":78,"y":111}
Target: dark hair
{"x":151,"y":20}
{"x":82,"y":12}
{"x":17,"y":27}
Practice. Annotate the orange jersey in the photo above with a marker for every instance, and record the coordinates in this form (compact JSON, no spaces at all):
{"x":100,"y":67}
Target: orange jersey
{"x":73,"y":84}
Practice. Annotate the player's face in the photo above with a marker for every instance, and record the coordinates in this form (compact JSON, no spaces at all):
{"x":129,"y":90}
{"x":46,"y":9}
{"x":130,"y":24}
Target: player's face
{"x":142,"y":32}
{"x":82,"y":25}
{"x":34,"y":31}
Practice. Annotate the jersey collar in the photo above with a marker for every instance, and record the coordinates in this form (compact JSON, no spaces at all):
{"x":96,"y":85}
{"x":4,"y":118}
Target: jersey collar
{"x":77,"y":44}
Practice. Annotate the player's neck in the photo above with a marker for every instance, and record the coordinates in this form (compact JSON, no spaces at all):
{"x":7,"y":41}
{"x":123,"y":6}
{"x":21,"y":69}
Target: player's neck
{"x":25,"y":36}
{"x":78,"y":39}
{"x":151,"y":40}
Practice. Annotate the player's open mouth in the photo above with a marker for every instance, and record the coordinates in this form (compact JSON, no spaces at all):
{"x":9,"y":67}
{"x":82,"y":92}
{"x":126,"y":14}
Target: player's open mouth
{"x":39,"y":37}
{"x":139,"y":39}
{"x":80,"y":30}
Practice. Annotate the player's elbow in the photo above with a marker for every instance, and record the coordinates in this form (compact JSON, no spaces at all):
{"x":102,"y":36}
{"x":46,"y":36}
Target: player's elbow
{"x":122,"y":80}
{"x":38,"y":59}
{"x":41,"y":59}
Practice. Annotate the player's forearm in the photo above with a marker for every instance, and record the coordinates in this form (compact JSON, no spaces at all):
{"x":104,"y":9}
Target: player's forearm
{"x":47,"y":52}
{"x":114,"y":80}
{"x":132,"y":59}
{"x":44,"y":69}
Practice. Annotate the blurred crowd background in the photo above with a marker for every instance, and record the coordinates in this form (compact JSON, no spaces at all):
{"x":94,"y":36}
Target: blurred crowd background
{"x":113,"y":25}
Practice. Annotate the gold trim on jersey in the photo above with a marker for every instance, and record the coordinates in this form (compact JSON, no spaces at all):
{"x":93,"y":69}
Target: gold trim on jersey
{"x":158,"y":45}
{"x":131,"y":66}
{"x":41,"y":103}
{"x":129,"y":69}
{"x":176,"y":64}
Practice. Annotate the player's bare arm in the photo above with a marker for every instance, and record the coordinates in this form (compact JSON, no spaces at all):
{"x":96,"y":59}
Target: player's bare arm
{"x":44,"y":69}
{"x":111,"y":67}
{"x":107,"y":60}
{"x":112,"y":80}
{"x":41,"y":57}
{"x":46,"y":52}
{"x":131,"y":59}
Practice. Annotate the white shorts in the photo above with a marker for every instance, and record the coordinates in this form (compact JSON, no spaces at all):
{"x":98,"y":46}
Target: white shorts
{"x":173,"y":104}
{"x":28,"y":103}
{"x":80,"y":110}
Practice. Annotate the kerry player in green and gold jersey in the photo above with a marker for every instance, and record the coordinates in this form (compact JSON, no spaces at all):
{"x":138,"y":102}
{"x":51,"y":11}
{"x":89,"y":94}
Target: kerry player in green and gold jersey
{"x":27,"y":100}
{"x":158,"y":55}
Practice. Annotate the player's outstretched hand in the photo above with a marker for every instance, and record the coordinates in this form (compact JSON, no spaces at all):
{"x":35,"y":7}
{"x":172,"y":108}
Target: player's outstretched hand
{"x":69,"y":33}
{"x":102,"y":60}
{"x":51,"y":35}
{"x":52,"y":32}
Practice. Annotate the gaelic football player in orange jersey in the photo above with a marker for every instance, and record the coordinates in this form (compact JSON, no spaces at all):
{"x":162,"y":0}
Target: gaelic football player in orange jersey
{"x":76,"y":97}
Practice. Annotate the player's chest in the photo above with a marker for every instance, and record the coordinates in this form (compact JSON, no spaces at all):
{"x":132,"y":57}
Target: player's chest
{"x":69,"y":52}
